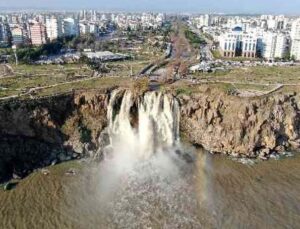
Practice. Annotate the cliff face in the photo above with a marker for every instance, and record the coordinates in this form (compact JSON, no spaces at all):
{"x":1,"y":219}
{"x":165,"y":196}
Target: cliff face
{"x":36,"y":133}
{"x":242,"y":126}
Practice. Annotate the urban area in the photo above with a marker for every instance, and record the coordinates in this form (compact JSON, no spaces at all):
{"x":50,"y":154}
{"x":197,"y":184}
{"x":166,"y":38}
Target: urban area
{"x":57,"y":51}
{"x":147,"y":119}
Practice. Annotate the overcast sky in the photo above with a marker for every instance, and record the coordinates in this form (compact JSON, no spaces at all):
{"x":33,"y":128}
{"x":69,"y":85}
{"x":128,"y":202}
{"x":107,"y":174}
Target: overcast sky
{"x":226,"y":6}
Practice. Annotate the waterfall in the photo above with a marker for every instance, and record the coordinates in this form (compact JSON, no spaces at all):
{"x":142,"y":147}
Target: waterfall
{"x":157,"y":126}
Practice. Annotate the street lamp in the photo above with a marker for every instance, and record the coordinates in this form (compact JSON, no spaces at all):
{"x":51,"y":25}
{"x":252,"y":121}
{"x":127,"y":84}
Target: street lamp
{"x":14,"y":47}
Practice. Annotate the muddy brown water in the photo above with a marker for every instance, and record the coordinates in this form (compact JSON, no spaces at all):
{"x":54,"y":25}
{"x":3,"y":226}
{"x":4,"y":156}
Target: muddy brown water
{"x":211,"y":192}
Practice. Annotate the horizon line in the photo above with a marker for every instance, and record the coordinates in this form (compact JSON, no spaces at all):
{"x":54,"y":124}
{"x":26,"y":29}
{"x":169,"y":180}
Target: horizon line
{"x":116,"y":10}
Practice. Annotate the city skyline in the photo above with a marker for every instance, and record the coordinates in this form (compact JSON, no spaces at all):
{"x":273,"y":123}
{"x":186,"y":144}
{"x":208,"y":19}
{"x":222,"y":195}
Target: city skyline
{"x":215,"y":6}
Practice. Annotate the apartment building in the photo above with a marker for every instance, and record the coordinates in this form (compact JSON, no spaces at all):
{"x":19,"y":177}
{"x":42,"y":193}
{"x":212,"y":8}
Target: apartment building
{"x":273,"y":45}
{"x":70,"y":27}
{"x":4,"y":33}
{"x":37,"y":33}
{"x":53,"y":28}
{"x":18,"y":35}
{"x":295,"y":39}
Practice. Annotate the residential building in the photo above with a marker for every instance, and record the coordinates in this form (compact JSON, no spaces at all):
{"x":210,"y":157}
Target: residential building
{"x":203,"y":20}
{"x":18,"y":35}
{"x":93,"y":28}
{"x":37,"y":33}
{"x":4,"y":34}
{"x":273,"y":45}
{"x":70,"y":27}
{"x":53,"y":28}
{"x":282,"y":45}
{"x":295,"y":39}
{"x":84,"y":28}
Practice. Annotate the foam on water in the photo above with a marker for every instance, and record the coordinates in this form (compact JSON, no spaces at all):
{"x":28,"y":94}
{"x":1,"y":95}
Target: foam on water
{"x":144,"y":172}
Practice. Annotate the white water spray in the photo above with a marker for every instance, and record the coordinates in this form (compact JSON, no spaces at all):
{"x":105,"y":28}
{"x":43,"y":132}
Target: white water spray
{"x":144,"y":174}
{"x":157,"y":125}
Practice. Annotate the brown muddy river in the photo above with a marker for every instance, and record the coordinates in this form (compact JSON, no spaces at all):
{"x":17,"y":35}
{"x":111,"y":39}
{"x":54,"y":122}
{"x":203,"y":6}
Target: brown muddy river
{"x":163,"y":192}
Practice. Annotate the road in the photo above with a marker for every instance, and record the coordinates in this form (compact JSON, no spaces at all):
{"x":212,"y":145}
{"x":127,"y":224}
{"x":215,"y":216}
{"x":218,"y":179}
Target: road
{"x":205,"y":53}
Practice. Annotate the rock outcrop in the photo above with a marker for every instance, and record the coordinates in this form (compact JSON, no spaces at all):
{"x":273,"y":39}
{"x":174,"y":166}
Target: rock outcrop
{"x":36,"y":133}
{"x":252,"y":127}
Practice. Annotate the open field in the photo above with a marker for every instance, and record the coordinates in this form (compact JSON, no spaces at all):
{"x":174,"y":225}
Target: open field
{"x":186,"y":88}
{"x":256,"y":75}
{"x":99,"y":83}
{"x":59,"y":78}
{"x":44,"y":80}
{"x":26,"y":77}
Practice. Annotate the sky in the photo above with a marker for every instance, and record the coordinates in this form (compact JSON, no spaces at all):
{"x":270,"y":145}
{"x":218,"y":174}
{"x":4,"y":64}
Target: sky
{"x":201,"y":6}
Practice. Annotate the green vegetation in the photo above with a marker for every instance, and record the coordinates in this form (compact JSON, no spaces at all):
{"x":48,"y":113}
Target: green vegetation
{"x":6,"y":51}
{"x":27,"y":55}
{"x":184,"y":90}
{"x":193,"y":38}
{"x":229,"y":89}
{"x":99,"y":83}
{"x":29,"y":76}
{"x":141,"y":85}
{"x":53,"y":79}
{"x":216,"y":54}
{"x":85,"y":134}
{"x":255,"y":75}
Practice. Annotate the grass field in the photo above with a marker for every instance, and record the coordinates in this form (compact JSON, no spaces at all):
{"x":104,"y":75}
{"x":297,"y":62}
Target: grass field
{"x":100,"y":83}
{"x":77,"y":76}
{"x":30,"y":76}
{"x":26,"y":77}
{"x":260,"y":75}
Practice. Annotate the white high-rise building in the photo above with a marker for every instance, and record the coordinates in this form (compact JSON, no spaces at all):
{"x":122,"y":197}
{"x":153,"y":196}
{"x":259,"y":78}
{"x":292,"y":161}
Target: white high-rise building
{"x":282,"y":45}
{"x":70,"y":27}
{"x":271,"y":23}
{"x":238,"y":43}
{"x":203,"y":20}
{"x":273,"y":45}
{"x":93,"y":28}
{"x":84,"y":28}
{"x":53,"y":28}
{"x":295,"y":39}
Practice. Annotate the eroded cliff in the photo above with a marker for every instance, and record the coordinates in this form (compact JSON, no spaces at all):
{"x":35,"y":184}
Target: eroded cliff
{"x":36,"y":133}
{"x":242,"y":126}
